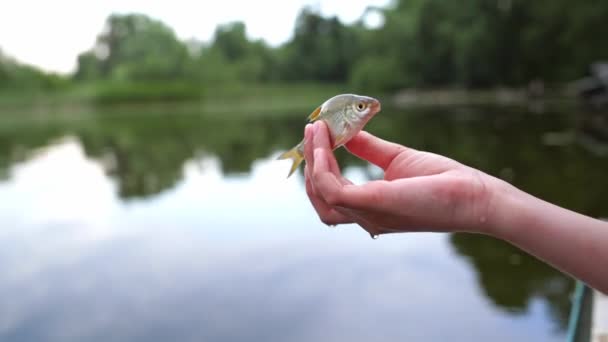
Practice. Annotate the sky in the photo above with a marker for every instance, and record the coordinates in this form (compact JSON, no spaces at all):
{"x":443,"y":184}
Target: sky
{"x":50,"y":34}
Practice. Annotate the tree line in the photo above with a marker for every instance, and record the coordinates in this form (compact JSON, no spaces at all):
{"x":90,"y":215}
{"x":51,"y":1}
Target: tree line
{"x":421,"y":43}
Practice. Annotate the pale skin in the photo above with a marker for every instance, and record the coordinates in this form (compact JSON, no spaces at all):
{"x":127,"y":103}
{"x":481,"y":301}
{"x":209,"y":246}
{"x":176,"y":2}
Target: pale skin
{"x":422,"y":191}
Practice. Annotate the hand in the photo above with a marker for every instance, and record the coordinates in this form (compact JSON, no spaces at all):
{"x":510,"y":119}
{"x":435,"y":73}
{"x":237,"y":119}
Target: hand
{"x":420,"y":192}
{"x":426,"y":192}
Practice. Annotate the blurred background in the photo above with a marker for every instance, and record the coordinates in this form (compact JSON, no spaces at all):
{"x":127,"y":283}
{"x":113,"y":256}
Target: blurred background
{"x":141,"y":198}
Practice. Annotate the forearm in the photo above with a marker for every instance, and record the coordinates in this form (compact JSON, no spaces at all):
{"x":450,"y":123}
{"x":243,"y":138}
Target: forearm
{"x":571,"y":242}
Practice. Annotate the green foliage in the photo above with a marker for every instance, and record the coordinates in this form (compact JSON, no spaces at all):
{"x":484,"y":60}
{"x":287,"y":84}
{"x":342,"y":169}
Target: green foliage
{"x":16,"y":77}
{"x":117,"y":92}
{"x":322,"y":49}
{"x":483,"y":43}
{"x":421,"y":44}
{"x":137,"y":58}
{"x":137,"y":48}
{"x":232,"y":57}
{"x":231,"y":41}
{"x":378,"y":73}
{"x":88,"y":67}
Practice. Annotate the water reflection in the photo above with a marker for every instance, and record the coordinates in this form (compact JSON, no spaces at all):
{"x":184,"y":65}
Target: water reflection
{"x":145,"y":153}
{"x":219,"y":258}
{"x":514,"y":280}
{"x":155,"y":227}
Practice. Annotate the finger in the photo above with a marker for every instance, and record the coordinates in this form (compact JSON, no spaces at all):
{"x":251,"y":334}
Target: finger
{"x":326,"y":214}
{"x":368,"y":223}
{"x":308,"y":148}
{"x":332,"y":163}
{"x":331,"y":187}
{"x":308,"y":181}
{"x":372,"y":229}
{"x":321,"y":135}
{"x":322,"y":140}
{"x":375,"y":195}
{"x":309,"y":134}
{"x":375,"y":150}
{"x":327,"y":185}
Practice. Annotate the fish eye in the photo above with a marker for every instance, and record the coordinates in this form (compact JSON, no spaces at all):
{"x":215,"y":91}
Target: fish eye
{"x":360,"y":106}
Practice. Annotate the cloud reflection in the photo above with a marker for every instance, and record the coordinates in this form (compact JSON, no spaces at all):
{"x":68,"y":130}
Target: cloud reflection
{"x":221,"y":258}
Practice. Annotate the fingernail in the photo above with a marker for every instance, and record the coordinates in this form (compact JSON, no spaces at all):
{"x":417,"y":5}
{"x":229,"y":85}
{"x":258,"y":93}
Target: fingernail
{"x":307,"y":131}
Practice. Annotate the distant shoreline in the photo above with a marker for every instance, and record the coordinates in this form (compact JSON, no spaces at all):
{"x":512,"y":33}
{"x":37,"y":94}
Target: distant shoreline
{"x":250,"y":98}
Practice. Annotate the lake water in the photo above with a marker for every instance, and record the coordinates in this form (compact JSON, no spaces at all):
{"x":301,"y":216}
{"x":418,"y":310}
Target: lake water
{"x":125,"y":224}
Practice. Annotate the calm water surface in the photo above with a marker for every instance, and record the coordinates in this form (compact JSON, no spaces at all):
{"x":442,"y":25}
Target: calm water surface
{"x":126,"y":225}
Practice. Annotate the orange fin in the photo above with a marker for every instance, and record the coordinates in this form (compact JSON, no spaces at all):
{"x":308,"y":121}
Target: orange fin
{"x":340,"y":139}
{"x":314,"y":115}
{"x":296,"y":156}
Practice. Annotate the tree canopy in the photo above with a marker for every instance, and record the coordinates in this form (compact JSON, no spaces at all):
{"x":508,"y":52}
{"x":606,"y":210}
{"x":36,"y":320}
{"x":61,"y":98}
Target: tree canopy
{"x":421,"y":43}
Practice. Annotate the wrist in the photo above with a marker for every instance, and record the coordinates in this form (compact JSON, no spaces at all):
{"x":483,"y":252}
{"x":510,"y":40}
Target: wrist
{"x":504,"y":205}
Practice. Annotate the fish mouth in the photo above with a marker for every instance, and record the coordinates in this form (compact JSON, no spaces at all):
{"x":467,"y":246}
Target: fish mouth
{"x":375,"y":105}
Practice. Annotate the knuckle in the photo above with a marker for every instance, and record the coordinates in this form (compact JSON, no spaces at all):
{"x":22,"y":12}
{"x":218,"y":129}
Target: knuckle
{"x":309,"y":191}
{"x":334,"y":198}
{"x":326,"y":220}
{"x":316,"y":176}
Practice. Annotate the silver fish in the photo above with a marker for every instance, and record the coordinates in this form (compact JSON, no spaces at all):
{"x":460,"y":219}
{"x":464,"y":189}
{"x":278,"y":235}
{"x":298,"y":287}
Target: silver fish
{"x":345,"y":115}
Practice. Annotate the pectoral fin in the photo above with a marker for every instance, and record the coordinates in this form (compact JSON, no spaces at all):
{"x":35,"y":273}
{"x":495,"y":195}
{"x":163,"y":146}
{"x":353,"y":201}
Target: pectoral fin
{"x":340,"y":139}
{"x":314,"y":115}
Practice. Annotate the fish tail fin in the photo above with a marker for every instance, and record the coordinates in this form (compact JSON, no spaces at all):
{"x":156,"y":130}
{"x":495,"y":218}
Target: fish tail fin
{"x":296,"y":155}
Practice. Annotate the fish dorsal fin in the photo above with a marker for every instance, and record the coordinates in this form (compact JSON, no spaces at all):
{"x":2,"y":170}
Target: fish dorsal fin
{"x":314,"y":115}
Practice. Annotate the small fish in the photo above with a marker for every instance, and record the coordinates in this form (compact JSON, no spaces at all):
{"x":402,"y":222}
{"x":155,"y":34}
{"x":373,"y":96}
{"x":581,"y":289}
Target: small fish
{"x":345,"y":115}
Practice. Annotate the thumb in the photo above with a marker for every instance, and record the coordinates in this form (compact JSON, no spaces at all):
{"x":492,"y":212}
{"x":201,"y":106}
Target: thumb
{"x":375,"y":150}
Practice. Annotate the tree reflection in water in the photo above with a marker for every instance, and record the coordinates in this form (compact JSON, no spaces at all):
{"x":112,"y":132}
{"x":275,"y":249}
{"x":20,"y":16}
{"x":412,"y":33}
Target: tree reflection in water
{"x":145,"y":153}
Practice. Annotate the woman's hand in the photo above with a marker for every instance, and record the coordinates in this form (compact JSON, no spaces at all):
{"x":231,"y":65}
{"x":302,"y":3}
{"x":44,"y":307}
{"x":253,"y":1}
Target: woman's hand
{"x":420,"y":192}
{"x":426,"y":192}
